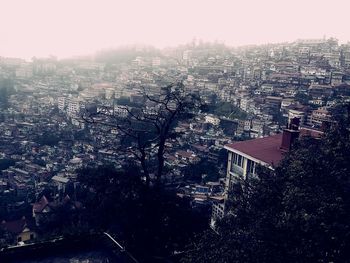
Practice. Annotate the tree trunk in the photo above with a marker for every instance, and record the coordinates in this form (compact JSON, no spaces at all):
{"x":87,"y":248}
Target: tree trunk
{"x":160,"y":156}
{"x":144,"y":167}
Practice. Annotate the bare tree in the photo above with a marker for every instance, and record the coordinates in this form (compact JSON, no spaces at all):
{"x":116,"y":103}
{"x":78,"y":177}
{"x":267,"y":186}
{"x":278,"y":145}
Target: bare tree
{"x":145,"y":130}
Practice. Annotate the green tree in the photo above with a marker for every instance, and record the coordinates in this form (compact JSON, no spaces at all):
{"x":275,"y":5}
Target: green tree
{"x":298,"y":213}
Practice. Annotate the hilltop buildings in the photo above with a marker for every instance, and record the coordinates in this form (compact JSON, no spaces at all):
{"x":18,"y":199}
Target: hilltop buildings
{"x":251,"y":92}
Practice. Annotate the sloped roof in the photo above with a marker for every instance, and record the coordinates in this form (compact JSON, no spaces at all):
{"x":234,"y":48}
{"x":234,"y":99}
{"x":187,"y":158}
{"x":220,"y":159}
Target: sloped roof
{"x":265,"y":149}
{"x":15,"y":226}
{"x":38,"y":207}
{"x":268,"y":149}
{"x":60,"y":179}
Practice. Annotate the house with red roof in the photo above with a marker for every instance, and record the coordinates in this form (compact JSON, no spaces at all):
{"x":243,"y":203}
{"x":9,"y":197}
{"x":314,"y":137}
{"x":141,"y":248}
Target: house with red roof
{"x":21,"y":230}
{"x":245,"y":156}
{"x":46,"y":209}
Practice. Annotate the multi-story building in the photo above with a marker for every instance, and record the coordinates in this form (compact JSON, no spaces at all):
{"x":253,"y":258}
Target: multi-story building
{"x":245,"y":156}
{"x":336,"y":78}
{"x":319,"y":116}
{"x":294,"y":113}
{"x":345,"y":56}
{"x":61,"y":103}
{"x":273,"y":102}
{"x":73,"y":107}
{"x":212,"y":119}
{"x":320,"y":91}
{"x":120,"y":111}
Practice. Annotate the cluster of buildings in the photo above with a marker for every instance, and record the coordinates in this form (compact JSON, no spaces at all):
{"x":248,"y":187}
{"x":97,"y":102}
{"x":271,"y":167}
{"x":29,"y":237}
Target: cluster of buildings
{"x":253,"y":92}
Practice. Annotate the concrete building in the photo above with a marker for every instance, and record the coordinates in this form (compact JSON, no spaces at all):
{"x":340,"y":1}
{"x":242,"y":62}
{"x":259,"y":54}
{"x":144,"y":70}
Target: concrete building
{"x":61,"y":103}
{"x":212,"y":120}
{"x":73,"y":107}
{"x":319,"y":116}
{"x":296,"y":114}
{"x":245,"y":156}
{"x":21,"y":230}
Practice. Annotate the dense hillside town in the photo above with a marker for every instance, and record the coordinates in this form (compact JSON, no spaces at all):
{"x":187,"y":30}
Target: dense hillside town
{"x":253,"y":99}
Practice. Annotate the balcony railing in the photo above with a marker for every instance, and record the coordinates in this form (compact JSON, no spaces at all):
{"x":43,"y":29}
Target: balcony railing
{"x":236,"y":169}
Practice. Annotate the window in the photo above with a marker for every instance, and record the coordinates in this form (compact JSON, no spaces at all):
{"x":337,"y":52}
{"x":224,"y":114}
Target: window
{"x":250,"y":167}
{"x":237,"y":159}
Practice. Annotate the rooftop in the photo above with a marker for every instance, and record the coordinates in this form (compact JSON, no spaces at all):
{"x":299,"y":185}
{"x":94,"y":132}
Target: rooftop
{"x":265,"y":149}
{"x":16,"y":226}
{"x":268,"y":149}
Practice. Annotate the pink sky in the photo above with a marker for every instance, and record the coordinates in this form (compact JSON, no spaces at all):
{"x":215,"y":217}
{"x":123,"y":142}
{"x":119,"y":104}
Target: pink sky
{"x":75,"y":27}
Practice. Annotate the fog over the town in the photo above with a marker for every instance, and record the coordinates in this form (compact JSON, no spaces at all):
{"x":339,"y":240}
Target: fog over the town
{"x":67,"y":28}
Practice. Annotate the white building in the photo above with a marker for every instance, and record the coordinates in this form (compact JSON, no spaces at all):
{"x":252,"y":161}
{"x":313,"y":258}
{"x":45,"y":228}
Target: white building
{"x":120,"y":111}
{"x":212,"y":119}
{"x":61,"y":103}
{"x":73,"y":107}
{"x":296,"y":114}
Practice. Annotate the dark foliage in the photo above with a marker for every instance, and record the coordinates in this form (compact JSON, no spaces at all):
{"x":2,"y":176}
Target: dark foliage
{"x":6,"y":163}
{"x":225,"y":109}
{"x":48,"y":139}
{"x":150,"y":222}
{"x":298,"y":213}
{"x":302,"y":98}
{"x":204,"y":171}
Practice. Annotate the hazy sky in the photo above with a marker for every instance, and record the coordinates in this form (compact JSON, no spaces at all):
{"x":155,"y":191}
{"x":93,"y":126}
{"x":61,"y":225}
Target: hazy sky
{"x":74,"y":27}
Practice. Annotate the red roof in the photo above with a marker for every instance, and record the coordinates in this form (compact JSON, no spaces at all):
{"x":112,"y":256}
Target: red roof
{"x":265,"y":149}
{"x":38,"y":207}
{"x":184,"y":154}
{"x":16,"y":226}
